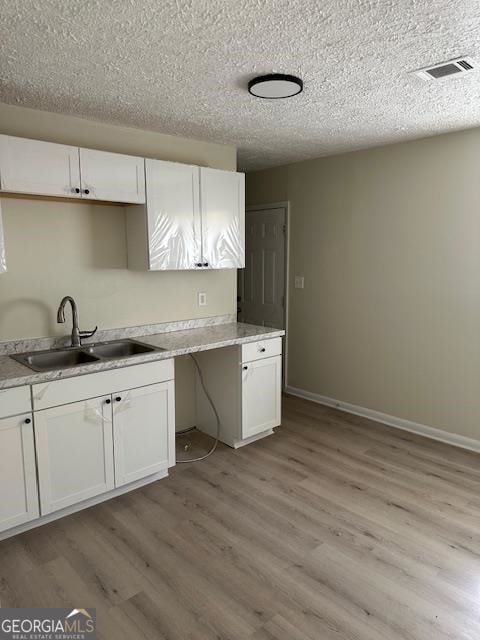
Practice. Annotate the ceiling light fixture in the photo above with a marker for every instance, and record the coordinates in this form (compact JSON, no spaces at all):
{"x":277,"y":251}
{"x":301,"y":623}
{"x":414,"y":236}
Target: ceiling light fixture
{"x":275,"y":85}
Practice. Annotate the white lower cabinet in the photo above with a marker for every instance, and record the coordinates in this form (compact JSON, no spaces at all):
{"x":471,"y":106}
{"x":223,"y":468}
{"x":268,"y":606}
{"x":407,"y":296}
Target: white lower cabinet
{"x":18,"y":482}
{"x":261,"y":395}
{"x":143,"y":431}
{"x":74,"y":452}
{"x":247,"y":394}
{"x":89,"y":446}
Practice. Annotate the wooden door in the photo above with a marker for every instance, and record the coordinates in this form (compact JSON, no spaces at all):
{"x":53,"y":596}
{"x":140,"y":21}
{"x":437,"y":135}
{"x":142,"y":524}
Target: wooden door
{"x":261,"y":284}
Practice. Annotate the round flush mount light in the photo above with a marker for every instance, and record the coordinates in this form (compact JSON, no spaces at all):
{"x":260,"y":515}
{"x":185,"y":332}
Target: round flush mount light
{"x":275,"y":86}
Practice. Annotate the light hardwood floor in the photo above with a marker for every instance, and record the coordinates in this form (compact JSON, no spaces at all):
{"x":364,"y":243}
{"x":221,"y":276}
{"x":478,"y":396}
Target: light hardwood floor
{"x":333,"y":528}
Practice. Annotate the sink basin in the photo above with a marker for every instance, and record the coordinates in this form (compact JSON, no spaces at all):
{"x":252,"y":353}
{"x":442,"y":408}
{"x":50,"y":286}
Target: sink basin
{"x":66,"y":358}
{"x":120,"y":349}
{"x":55,"y":359}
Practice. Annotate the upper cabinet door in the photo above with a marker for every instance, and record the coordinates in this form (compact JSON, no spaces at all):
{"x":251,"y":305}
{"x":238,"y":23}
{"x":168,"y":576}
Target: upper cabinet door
{"x":36,"y":167}
{"x":222,"y":197}
{"x":261,"y":395}
{"x":112,"y":176}
{"x":173,"y":215}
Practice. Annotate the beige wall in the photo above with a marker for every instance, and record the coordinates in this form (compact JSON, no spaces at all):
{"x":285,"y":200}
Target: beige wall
{"x":388,"y":241}
{"x":56,"y":248}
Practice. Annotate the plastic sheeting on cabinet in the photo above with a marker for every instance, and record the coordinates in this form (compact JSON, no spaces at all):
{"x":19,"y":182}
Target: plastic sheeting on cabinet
{"x":223,"y":243}
{"x":194,"y":218}
{"x":223,"y":218}
{"x":172,"y":243}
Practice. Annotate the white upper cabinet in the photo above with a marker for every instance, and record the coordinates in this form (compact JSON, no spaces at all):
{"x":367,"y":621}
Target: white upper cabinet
{"x":223,"y":218}
{"x":112,"y":176}
{"x":173,"y":221}
{"x":36,"y":167}
{"x":18,"y":480}
{"x":49,"y":169}
{"x":194,"y":218}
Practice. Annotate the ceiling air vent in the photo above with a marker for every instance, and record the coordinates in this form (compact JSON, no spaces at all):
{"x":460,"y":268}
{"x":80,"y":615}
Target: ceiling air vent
{"x":444,"y":69}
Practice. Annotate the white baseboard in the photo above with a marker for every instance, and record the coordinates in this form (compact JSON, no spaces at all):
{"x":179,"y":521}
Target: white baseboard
{"x":399,"y":423}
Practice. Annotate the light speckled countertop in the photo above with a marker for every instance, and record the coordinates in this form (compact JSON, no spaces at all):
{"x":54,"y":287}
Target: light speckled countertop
{"x":173,"y":343}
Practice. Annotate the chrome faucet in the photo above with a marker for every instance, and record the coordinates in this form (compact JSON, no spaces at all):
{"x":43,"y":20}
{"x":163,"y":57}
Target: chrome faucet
{"x":77,"y":335}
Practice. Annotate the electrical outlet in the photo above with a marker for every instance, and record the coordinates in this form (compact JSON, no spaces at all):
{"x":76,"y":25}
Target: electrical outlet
{"x":299,"y":282}
{"x":202,"y":299}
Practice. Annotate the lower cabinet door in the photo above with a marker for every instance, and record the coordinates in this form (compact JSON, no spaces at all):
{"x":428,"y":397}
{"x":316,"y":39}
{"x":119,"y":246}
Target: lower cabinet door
{"x":18,"y":481}
{"x":261,"y":395}
{"x":74,"y":452}
{"x":144,"y":431}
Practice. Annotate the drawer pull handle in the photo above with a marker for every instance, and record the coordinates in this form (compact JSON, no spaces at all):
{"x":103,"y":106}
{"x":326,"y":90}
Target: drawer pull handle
{"x":27,"y":421}
{"x":245,"y":368}
{"x":262,"y":350}
{"x":118,"y":399}
{"x":108,"y":401}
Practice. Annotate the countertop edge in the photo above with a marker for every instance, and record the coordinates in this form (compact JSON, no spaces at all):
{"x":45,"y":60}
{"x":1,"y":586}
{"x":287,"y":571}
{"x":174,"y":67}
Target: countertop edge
{"x":31,"y":378}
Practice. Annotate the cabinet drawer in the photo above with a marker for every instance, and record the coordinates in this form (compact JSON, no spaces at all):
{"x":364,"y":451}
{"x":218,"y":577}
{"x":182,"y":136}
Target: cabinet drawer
{"x":261,"y":349}
{"x":15,"y":401}
{"x":59,"y":392}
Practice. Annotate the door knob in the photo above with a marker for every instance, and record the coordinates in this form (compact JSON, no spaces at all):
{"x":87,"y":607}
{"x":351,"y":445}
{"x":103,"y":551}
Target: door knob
{"x":108,"y":401}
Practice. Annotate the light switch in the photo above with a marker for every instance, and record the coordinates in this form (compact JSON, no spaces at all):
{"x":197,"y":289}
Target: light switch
{"x":202,"y":299}
{"x":299,"y":282}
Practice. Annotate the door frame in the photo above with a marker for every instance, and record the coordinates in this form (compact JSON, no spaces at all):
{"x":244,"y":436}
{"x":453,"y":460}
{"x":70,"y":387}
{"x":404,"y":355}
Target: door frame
{"x":285,"y":204}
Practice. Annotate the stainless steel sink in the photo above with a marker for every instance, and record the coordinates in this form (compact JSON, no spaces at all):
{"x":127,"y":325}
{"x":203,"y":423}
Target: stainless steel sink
{"x":54,"y":359}
{"x":120,"y":349}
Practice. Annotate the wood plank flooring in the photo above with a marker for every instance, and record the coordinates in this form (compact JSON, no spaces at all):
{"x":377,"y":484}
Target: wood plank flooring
{"x":333,"y":528}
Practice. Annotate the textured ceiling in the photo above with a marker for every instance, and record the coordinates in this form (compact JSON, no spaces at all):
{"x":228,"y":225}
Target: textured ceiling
{"x":181,"y":67}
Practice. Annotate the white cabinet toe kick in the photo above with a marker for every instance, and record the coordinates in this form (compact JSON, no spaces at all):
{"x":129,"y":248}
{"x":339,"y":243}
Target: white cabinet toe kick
{"x":71,"y":443}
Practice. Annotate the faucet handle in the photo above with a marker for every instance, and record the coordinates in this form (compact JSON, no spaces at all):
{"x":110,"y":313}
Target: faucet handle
{"x":87,"y":334}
